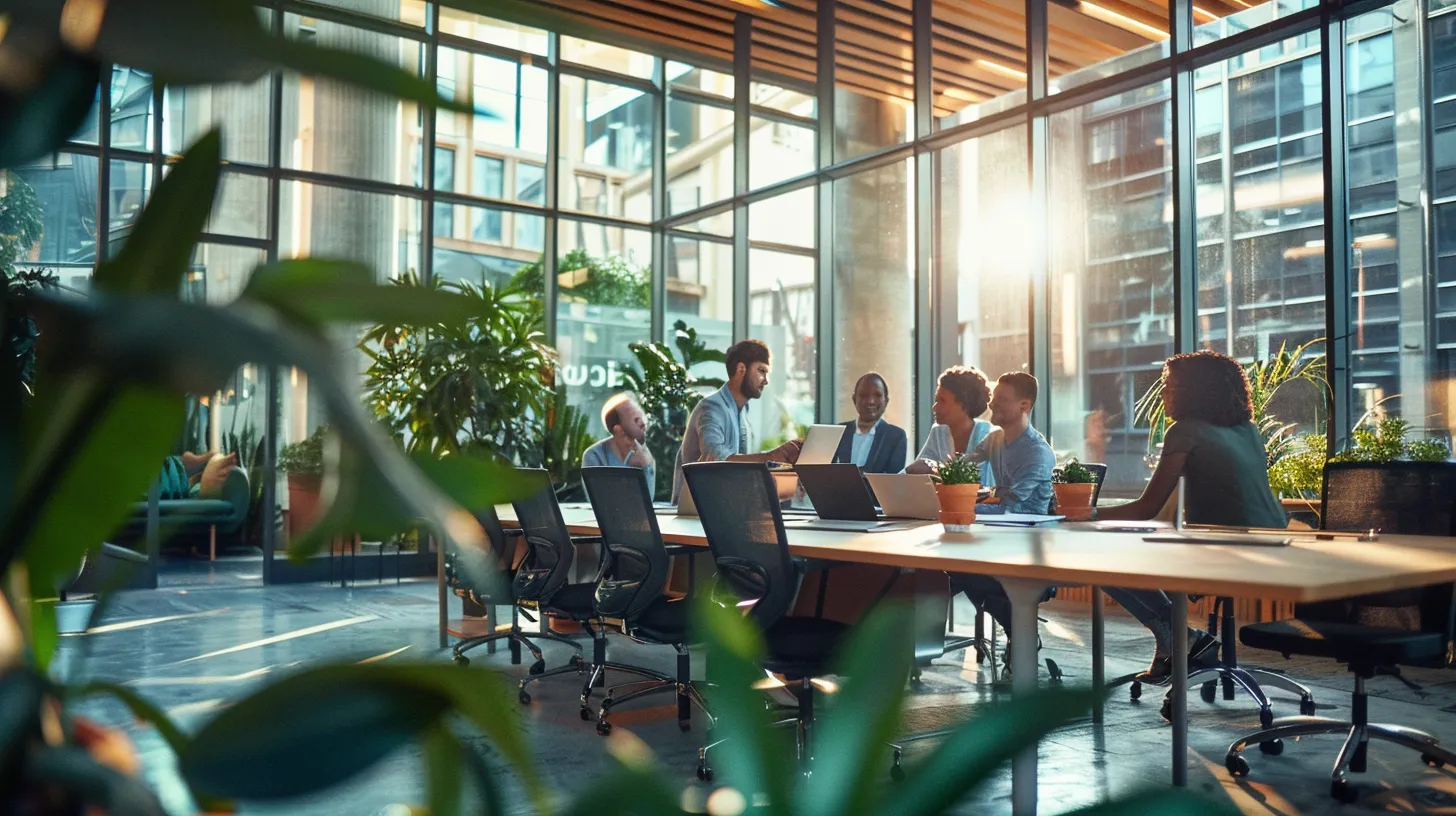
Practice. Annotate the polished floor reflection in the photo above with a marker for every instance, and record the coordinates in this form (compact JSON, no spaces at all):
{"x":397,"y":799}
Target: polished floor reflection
{"x":194,"y":651}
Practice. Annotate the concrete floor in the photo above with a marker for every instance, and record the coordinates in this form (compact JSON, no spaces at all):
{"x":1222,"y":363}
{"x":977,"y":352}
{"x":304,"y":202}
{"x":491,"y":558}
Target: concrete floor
{"x":193,"y":650}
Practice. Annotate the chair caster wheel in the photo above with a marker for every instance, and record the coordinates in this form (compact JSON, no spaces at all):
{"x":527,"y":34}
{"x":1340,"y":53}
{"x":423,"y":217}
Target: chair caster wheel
{"x":705,"y":773}
{"x":1343,"y":791}
{"x":1209,"y":691}
{"x":1433,"y":761}
{"x":1237,"y":766}
{"x":524,"y":697}
{"x":538,"y":667}
{"x":1135,"y":690}
{"x":577,"y":662}
{"x":586,"y":713}
{"x":1306,"y":706}
{"x":1167,"y":710}
{"x":603,"y":727}
{"x":684,"y":725}
{"x":1272,"y":747}
{"x":461,"y":660}
{"x":1266,"y":719}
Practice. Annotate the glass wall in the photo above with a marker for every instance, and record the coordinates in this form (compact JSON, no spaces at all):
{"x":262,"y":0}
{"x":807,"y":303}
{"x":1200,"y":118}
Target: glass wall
{"x":594,"y":173}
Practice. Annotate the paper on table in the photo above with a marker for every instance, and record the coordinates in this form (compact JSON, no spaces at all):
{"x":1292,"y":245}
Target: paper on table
{"x":1017,"y":519}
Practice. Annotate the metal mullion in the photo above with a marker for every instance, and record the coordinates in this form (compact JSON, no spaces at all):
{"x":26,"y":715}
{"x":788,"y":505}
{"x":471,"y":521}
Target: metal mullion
{"x":661,"y":245}
{"x":824,"y":323}
{"x":883,"y":157}
{"x":782,"y":117}
{"x":427,"y":157}
{"x":234,"y":240}
{"x":783,"y":249}
{"x":598,"y":75}
{"x":552,"y":181}
{"x":698,"y":97}
{"x":602,"y":220}
{"x":501,"y":52}
{"x":761,"y":194}
{"x":469,"y":200}
{"x":1336,"y":230}
{"x":1252,"y":39}
{"x":336,"y":14}
{"x":1038,"y":327}
{"x":704,"y":237}
{"x":926,"y":354}
{"x":742,"y":83}
{"x":948,"y":137}
{"x":348,"y":183}
{"x":1185,"y":189}
{"x":1428,"y":180}
{"x":103,"y":171}
{"x":273,"y":414}
{"x":130,"y":154}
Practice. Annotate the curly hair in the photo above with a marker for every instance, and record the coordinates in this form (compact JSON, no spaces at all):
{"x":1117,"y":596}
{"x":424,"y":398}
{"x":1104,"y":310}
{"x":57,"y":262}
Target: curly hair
{"x":1206,"y":385}
{"x":747,"y":352}
{"x":968,"y":385}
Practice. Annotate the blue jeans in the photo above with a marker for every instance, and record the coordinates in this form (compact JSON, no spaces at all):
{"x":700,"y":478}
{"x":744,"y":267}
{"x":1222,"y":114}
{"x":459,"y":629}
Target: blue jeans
{"x":1151,"y":607}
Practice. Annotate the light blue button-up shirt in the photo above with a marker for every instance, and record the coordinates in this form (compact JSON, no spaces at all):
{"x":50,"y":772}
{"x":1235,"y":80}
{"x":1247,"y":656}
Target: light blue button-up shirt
{"x":861,"y":443}
{"x":715,"y":431}
{"x":1023,"y":470}
{"x":604,"y":454}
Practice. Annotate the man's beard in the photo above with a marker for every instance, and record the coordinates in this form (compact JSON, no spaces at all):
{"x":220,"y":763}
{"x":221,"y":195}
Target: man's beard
{"x":749,"y":391}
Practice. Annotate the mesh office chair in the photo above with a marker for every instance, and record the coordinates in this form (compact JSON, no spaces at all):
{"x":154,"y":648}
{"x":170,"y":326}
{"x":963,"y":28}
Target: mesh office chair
{"x":986,"y":646}
{"x":1372,"y":633}
{"x":485,"y":579}
{"x":632,"y":590}
{"x":542,"y":581}
{"x":738,"y":505}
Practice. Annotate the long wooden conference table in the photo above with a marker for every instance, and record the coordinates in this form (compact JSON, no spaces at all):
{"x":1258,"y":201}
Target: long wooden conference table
{"x":1026,"y":560}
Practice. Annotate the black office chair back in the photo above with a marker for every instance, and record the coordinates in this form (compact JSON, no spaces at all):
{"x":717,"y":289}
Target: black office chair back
{"x":738,"y":505}
{"x":549,"y":550}
{"x":1395,"y":498}
{"x":638,"y":568}
{"x":480,"y":569}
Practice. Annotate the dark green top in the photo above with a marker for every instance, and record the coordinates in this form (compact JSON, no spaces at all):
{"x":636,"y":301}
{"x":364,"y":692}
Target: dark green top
{"x":1227,"y":476}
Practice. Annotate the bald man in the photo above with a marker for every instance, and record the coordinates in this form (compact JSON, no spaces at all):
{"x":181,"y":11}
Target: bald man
{"x":625,"y":447}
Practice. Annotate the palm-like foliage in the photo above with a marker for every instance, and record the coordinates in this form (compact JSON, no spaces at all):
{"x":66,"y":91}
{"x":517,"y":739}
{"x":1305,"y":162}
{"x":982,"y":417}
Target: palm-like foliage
{"x":1266,"y":377}
{"x":668,"y":391}
{"x":480,"y":385}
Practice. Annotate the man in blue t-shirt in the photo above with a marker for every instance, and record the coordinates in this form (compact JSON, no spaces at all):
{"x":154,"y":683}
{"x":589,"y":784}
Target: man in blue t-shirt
{"x":625,"y":447}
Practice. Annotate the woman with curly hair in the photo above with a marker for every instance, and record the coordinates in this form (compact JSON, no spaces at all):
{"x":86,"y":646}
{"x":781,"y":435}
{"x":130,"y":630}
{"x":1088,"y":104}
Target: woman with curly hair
{"x":961,"y":395}
{"x":1215,"y":448}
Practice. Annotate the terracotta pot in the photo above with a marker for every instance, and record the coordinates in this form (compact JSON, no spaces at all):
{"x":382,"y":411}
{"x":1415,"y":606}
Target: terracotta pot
{"x":957,"y":504}
{"x":1075,"y":500}
{"x":303,"y":501}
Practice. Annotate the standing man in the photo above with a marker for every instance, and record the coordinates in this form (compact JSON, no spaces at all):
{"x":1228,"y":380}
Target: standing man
{"x":718,"y":427}
{"x":869,"y":441}
{"x":624,"y":448}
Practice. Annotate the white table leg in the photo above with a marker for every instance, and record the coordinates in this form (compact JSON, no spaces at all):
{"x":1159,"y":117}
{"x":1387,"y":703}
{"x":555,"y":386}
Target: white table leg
{"x":1024,"y":595}
{"x":1180,"y":688}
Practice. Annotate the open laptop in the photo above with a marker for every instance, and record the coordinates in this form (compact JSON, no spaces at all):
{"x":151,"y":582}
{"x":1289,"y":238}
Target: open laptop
{"x":843,"y":502}
{"x":905,"y":495}
{"x":820,"y":443}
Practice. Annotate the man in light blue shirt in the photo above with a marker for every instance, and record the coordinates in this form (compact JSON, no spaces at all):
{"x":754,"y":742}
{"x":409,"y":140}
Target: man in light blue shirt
{"x":1019,"y":456}
{"x":625,"y":447}
{"x":718,"y":428}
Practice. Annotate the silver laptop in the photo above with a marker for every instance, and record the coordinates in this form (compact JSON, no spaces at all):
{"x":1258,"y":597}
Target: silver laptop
{"x":820,"y":444}
{"x":905,"y":495}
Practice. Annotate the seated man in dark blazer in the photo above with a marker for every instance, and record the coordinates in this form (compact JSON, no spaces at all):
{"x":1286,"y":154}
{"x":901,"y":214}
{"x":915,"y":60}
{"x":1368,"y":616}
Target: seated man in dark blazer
{"x":869,"y":441}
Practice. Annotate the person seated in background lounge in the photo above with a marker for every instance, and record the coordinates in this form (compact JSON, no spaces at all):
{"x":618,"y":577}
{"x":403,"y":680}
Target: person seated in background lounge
{"x":869,"y":441}
{"x":961,"y":395}
{"x":1022,"y":462}
{"x":717,"y":430}
{"x":1215,"y":448}
{"x":626,"y":447}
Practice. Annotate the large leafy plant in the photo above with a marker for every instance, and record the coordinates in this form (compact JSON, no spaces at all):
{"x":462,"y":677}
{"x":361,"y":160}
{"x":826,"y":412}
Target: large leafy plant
{"x":668,"y":391}
{"x":479,"y":385}
{"x":610,"y":281}
{"x":1266,"y":377}
{"x":1300,"y":474}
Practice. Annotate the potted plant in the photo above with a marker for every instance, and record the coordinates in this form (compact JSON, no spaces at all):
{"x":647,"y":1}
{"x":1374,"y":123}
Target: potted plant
{"x":1298,"y":477}
{"x":304,"y":464}
{"x":957,"y":485}
{"x":1075,"y":487}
